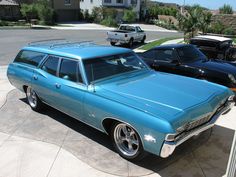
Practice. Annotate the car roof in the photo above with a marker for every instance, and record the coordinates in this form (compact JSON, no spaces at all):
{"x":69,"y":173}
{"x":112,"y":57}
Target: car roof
{"x":214,"y":38}
{"x":171,"y":46}
{"x":132,"y":25}
{"x":77,"y":50}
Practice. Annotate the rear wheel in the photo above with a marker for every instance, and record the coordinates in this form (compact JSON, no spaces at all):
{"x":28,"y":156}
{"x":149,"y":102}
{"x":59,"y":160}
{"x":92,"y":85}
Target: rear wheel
{"x":112,"y":43}
{"x":127,"y":141}
{"x":33,"y":99}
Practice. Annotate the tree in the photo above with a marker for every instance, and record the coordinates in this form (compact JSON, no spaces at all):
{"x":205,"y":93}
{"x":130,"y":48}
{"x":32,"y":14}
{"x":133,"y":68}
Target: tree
{"x":45,"y":12}
{"x":29,"y":11}
{"x":129,"y":16}
{"x":196,"y":19}
{"x":226,"y":9}
{"x":204,"y":21}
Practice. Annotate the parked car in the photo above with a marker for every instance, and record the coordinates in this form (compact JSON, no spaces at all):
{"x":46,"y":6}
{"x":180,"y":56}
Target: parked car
{"x":126,"y":34}
{"x":187,"y":60}
{"x":215,"y":47}
{"x":114,"y":91}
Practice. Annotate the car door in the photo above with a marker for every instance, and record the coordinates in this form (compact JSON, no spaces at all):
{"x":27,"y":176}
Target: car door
{"x":139,"y":34}
{"x":71,"y":88}
{"x":166,"y":60}
{"x":44,"y":81}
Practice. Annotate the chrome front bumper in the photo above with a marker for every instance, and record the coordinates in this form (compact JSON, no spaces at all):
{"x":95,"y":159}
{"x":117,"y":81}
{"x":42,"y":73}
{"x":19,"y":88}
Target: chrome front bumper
{"x":169,"y":146}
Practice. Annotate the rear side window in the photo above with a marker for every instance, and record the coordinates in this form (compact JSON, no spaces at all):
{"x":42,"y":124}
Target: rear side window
{"x":68,"y":70}
{"x":51,"y":64}
{"x":30,"y":57}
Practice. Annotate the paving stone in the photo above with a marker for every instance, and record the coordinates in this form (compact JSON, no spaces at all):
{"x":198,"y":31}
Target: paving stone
{"x":214,"y":154}
{"x":3,"y":137}
{"x":26,"y":158}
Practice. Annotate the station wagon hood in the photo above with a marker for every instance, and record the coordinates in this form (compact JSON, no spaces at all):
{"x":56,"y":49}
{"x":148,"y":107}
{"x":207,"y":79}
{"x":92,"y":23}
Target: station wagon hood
{"x":165,"y":95}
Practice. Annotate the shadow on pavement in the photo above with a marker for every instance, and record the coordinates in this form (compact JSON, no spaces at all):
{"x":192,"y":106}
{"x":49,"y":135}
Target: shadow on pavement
{"x":204,"y":155}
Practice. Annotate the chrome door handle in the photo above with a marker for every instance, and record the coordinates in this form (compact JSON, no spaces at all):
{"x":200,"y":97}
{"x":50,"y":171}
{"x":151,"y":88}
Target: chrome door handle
{"x":58,"y":85}
{"x":35,"y":77}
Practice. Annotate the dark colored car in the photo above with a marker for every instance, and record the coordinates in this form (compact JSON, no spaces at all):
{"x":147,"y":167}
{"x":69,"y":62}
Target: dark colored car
{"x":188,"y":60}
{"x":215,"y":47}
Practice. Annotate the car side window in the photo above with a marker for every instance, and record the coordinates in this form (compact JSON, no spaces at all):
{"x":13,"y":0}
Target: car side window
{"x":51,"y":64}
{"x":30,"y":57}
{"x":69,"y":69}
{"x":166,"y":55}
{"x":149,"y":55}
{"x":139,"y":29}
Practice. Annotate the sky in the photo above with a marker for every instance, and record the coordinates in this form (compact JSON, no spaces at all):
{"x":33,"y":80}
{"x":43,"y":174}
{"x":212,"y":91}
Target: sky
{"x":210,"y":4}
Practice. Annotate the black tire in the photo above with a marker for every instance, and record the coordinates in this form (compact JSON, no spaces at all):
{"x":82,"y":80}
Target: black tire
{"x":33,"y":100}
{"x":136,"y":153}
{"x":143,"y":40}
{"x":112,"y":43}
{"x":131,"y":43}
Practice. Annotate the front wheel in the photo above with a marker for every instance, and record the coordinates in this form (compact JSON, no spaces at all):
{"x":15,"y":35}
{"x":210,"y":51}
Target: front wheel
{"x":127,"y":142}
{"x":112,"y":43}
{"x":131,"y":43}
{"x":33,"y":99}
{"x":143,"y":40}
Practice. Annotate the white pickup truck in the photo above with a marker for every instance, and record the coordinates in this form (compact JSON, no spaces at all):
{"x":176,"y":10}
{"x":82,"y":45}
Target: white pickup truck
{"x":126,"y":34}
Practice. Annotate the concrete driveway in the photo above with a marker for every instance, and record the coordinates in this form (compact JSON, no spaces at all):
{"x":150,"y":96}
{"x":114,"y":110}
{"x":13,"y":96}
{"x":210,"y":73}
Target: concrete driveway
{"x":53,"y":144}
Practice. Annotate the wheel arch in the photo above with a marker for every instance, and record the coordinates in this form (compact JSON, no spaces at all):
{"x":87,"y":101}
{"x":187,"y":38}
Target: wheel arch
{"x":25,"y":88}
{"x":108,"y":122}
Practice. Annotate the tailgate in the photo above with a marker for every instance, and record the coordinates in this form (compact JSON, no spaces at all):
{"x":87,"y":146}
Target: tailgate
{"x":116,"y":35}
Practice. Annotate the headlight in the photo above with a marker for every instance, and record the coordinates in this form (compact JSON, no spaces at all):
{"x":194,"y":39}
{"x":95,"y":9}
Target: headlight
{"x":232,"y":78}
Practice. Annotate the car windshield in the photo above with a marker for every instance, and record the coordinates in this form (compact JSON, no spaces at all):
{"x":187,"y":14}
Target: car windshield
{"x":105,"y":67}
{"x":190,"y":53}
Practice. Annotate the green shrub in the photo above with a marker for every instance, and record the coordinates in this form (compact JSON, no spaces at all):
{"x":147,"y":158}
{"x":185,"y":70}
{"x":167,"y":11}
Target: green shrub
{"x":226,"y":9}
{"x":29,"y":11}
{"x":129,"y":16}
{"x":3,"y":23}
{"x":108,"y":12}
{"x":217,"y":27}
{"x":45,"y":12}
{"x":97,"y":14}
{"x":229,"y":31}
{"x":168,"y":25}
{"x":109,"y":21}
{"x":87,"y":16}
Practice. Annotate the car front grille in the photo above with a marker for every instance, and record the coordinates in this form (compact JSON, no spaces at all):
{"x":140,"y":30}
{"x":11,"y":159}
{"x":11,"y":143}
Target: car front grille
{"x":196,"y":123}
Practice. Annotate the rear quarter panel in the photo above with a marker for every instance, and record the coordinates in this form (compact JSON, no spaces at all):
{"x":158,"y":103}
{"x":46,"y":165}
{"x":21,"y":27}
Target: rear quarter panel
{"x":20,"y":74}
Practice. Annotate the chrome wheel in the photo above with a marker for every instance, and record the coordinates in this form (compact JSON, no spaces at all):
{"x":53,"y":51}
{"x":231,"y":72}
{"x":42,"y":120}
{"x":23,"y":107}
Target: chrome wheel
{"x":32,"y":97}
{"x":126,"y":139}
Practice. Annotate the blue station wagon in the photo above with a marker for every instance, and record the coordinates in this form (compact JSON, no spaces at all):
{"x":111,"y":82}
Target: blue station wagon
{"x":114,"y":91}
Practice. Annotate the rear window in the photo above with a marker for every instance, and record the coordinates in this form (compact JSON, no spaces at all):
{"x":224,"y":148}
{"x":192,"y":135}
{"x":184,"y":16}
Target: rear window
{"x":29,"y":57}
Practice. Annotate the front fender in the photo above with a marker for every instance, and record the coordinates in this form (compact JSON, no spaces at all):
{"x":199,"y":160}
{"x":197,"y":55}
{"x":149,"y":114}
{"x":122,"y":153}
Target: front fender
{"x":98,"y":108}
